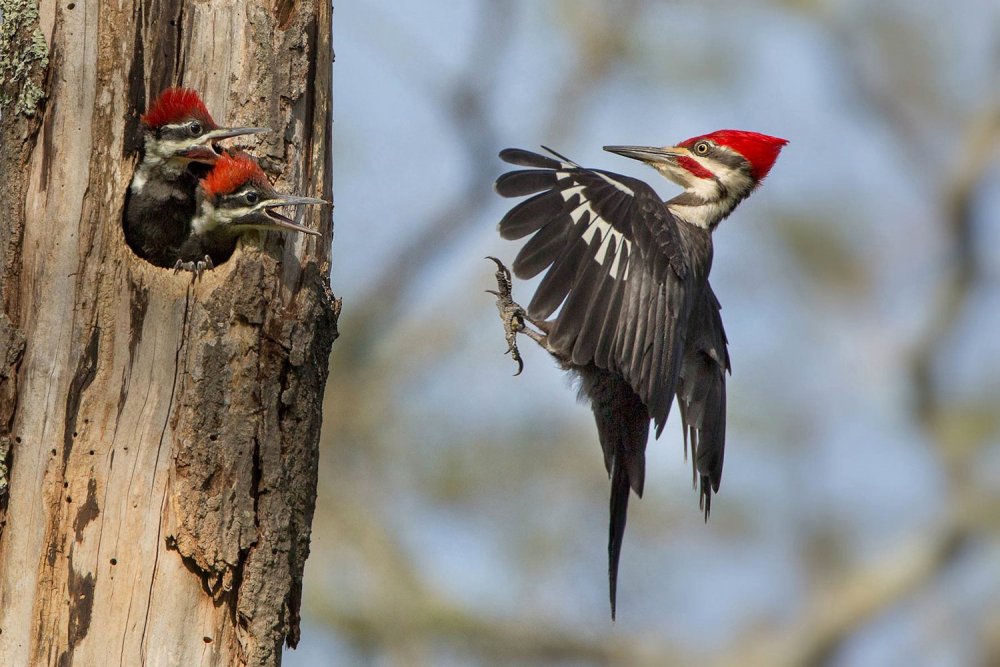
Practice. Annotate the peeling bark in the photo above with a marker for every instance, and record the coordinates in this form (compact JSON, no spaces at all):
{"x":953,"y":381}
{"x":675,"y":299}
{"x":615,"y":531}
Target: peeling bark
{"x":158,"y":437}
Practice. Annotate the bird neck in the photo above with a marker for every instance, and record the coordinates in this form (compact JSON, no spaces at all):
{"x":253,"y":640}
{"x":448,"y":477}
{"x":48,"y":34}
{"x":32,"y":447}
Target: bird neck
{"x":154,"y":167}
{"x":212,"y":220}
{"x":711,"y":203}
{"x":159,"y":161}
{"x":206,"y":219}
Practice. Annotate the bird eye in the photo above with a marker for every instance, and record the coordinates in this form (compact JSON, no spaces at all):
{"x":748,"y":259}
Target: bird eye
{"x":194,"y":127}
{"x":701,"y":148}
{"x":251,"y":197}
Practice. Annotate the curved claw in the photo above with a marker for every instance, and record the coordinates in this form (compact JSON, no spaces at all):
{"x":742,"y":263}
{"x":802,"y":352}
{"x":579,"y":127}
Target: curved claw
{"x":501,"y":268}
{"x":520,"y":362}
{"x":197,"y":268}
{"x":511,"y":314}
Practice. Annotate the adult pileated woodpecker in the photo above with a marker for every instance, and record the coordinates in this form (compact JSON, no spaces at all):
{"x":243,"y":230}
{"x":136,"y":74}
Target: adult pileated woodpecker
{"x":233,"y":199}
{"x":639,"y":321}
{"x":178,"y":146}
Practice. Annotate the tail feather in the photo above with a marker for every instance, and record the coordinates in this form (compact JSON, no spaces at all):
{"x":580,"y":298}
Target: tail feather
{"x":616,"y":530}
{"x":623,"y":429}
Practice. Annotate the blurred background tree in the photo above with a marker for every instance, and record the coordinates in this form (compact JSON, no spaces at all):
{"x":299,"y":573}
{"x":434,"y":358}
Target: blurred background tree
{"x":462,"y":512}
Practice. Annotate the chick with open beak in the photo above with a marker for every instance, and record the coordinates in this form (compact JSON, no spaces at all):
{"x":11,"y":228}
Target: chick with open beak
{"x":233,"y":199}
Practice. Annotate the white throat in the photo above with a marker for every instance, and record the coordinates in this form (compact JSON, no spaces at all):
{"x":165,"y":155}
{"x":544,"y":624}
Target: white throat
{"x":707,"y":201}
{"x":205,"y":220}
{"x":705,"y":215}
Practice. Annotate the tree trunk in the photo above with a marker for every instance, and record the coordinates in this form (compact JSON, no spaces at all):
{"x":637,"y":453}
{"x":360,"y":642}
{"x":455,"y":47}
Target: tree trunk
{"x":158,"y":436}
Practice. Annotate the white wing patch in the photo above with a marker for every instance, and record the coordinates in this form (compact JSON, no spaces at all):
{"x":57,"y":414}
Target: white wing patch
{"x":597,"y":224}
{"x":618,"y":185}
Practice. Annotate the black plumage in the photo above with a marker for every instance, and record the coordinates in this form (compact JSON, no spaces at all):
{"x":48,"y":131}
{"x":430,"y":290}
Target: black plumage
{"x":701,"y":395}
{"x":159,"y":220}
{"x":636,"y":321}
{"x":218,"y":246}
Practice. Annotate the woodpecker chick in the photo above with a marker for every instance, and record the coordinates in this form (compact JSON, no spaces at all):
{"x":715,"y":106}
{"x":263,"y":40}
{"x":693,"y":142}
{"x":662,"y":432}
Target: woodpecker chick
{"x":638,"y":322}
{"x":234,"y":198}
{"x":178,"y":148}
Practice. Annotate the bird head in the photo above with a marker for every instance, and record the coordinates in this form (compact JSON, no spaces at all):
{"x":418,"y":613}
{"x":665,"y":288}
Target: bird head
{"x":237,"y":197}
{"x":717,"y":170}
{"x":179,"y":129}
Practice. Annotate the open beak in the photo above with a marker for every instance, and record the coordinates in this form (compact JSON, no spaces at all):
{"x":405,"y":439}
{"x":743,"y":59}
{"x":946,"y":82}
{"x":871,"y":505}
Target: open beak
{"x":203,"y":153}
{"x":207,"y":152}
{"x":278,"y":221}
{"x":650,"y":154}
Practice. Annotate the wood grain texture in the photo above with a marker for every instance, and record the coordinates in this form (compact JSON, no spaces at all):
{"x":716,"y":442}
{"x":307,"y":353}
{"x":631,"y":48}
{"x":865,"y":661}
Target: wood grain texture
{"x":162,"y":434}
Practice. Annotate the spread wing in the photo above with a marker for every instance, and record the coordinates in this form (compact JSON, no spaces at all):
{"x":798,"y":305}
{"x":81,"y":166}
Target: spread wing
{"x":615,"y":260}
{"x":701,"y":393}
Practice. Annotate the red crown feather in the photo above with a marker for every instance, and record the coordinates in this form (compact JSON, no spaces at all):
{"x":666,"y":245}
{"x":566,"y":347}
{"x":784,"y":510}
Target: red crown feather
{"x":232,"y":171}
{"x":174,"y":105}
{"x":760,"y":150}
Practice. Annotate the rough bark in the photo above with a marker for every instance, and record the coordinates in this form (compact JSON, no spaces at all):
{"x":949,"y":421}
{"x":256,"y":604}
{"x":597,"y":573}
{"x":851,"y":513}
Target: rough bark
{"x":161,"y":435}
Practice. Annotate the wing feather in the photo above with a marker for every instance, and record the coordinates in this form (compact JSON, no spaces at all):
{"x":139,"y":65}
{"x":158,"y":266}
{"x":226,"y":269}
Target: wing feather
{"x":701,"y":394}
{"x":590,"y":332}
{"x":557,"y":282}
{"x":569,"y":325}
{"x":524,"y":158}
{"x":603,"y":354}
{"x":659,"y":371}
{"x":542,"y":249}
{"x":531,"y":215}
{"x":524,"y":182}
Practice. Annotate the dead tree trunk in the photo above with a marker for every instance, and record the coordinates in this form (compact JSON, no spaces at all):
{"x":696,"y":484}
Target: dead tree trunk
{"x":158,"y":438}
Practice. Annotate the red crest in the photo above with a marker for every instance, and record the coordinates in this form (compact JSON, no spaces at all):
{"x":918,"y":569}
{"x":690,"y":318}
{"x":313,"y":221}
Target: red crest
{"x":175,"y":105}
{"x":231,"y":172}
{"x":760,"y":150}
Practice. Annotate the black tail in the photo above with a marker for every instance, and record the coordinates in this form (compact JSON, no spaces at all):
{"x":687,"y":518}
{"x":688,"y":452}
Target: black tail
{"x":623,"y":428}
{"x":616,"y":530}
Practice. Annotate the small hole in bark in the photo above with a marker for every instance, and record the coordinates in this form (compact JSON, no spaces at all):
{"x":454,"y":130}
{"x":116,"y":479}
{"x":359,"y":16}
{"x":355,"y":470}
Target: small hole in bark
{"x":65,"y":485}
{"x":53,"y":452}
{"x":71,"y":5}
{"x":207,"y":640}
{"x":213,"y":437}
{"x":75,"y":434}
{"x":69,"y":499}
{"x":91,"y":452}
{"x":114,"y":561}
{"x":18,"y":440}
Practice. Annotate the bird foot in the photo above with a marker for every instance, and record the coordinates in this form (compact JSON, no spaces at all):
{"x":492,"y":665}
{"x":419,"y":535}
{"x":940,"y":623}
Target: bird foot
{"x":513,"y":316}
{"x":197,"y":268}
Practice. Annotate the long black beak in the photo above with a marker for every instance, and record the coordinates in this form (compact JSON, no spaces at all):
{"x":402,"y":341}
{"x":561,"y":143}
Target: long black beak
{"x":649,"y":154}
{"x":227,"y":132}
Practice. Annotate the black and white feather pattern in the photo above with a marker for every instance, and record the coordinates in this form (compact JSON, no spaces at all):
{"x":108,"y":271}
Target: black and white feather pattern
{"x":625,"y":271}
{"x":636,"y":318}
